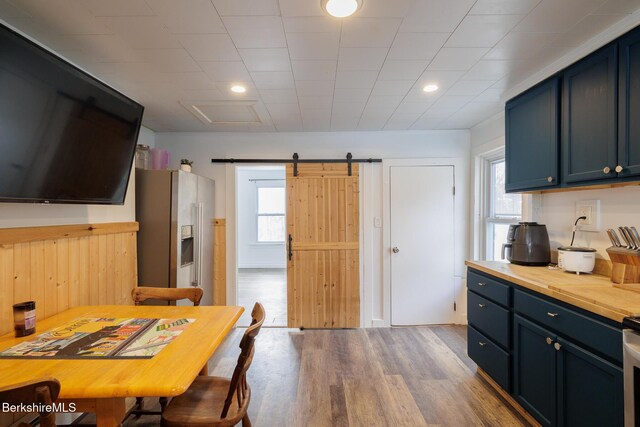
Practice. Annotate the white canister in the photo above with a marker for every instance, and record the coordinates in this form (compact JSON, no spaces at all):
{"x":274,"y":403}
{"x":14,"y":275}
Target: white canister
{"x":576,"y":259}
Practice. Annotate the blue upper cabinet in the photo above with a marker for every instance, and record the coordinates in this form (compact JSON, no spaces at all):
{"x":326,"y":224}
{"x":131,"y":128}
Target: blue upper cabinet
{"x":589,"y":120}
{"x":629,"y":106}
{"x":532,"y":138}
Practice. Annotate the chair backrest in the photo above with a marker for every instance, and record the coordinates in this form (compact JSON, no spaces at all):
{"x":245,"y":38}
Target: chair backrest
{"x":140,"y":294}
{"x":43,"y":391}
{"x":238,"y":384}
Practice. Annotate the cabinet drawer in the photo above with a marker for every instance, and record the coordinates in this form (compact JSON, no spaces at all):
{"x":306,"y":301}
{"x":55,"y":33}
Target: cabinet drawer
{"x":488,"y":288}
{"x":489,"y":318}
{"x":488,"y":356}
{"x":603,"y":338}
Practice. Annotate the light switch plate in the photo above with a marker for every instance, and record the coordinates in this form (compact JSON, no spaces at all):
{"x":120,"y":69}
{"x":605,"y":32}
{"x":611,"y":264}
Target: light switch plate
{"x":377,"y":222}
{"x":590,"y":209}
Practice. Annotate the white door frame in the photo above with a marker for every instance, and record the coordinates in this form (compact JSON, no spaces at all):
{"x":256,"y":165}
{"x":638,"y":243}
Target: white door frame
{"x":459,"y":217}
{"x":231,"y":210}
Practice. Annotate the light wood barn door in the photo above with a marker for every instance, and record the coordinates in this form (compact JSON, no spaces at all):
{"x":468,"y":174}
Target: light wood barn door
{"x":323,"y":271}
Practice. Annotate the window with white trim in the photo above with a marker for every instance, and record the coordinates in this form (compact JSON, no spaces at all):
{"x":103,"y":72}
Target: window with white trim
{"x":271,"y":214}
{"x":501,"y":209}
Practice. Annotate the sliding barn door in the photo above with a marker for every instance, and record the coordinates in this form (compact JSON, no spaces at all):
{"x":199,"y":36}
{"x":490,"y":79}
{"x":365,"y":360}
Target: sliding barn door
{"x":323,"y":272}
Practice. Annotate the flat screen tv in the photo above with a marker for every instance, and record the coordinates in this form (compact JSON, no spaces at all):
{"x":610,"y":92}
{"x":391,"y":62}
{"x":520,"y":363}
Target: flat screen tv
{"x":65,"y":137}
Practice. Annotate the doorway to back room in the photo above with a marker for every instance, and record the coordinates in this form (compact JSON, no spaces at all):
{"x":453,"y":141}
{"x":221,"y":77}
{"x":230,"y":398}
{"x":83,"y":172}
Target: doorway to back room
{"x":261,"y":246}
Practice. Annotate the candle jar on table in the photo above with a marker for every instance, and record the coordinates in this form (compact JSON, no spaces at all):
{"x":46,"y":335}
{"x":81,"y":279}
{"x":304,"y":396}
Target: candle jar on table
{"x":24,"y":318}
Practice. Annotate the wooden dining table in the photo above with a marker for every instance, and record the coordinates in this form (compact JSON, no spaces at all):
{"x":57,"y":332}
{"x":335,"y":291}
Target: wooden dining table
{"x":102,"y":386}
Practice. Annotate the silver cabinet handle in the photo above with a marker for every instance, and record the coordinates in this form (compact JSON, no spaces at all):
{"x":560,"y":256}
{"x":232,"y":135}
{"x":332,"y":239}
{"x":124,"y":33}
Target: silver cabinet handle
{"x":482,"y":284}
{"x":395,"y":250}
{"x":552,"y":314}
{"x":557,"y":346}
{"x":482,"y":305}
{"x":549,"y":179}
{"x":482,"y":344}
{"x":549,"y":341}
{"x":619,"y":168}
{"x":606,"y":170}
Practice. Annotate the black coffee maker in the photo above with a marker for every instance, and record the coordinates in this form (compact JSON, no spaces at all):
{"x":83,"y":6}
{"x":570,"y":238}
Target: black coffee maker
{"x":527,"y":244}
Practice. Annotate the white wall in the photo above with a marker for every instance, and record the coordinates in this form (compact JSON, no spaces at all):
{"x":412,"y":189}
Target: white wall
{"x":201,"y":147}
{"x":251,"y":253}
{"x":31,"y":215}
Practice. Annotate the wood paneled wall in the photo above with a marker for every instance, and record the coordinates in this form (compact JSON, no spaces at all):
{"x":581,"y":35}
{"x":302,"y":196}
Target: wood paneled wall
{"x":65,"y":266}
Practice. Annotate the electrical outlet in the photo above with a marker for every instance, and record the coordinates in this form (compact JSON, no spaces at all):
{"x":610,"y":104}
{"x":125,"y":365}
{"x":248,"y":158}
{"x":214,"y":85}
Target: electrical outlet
{"x":591,"y":210}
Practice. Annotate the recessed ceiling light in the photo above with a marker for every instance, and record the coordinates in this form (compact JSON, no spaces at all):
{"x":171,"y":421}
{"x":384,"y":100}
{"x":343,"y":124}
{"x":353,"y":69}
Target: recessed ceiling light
{"x":430,"y":88}
{"x":238,"y":89}
{"x":341,"y":8}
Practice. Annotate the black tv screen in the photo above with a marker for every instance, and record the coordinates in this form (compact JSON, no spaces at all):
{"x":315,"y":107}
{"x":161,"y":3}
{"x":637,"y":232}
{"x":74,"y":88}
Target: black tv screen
{"x":65,"y":137}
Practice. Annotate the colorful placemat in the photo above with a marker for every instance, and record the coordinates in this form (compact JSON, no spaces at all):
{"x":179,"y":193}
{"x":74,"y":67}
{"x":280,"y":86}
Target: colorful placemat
{"x":101,"y":338}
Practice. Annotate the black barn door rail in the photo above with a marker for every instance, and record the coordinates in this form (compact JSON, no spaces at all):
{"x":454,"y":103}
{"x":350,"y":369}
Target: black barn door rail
{"x":295,"y":159}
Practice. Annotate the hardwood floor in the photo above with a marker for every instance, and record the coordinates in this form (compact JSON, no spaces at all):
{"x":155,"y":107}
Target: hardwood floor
{"x":267,"y":285}
{"x":417,"y":376}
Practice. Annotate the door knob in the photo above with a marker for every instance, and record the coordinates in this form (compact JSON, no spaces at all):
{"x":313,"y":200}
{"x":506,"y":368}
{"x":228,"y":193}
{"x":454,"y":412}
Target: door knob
{"x":395,"y":250}
{"x":549,"y":179}
{"x":619,"y":168}
{"x":606,"y":170}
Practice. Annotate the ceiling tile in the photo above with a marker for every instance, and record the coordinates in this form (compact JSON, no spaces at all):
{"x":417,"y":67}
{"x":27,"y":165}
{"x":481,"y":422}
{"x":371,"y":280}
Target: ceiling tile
{"x":489,"y":70}
{"x":582,"y":31}
{"x":35,"y":29}
{"x":402,"y":70}
{"x":384,"y":9}
{"x":118,"y":7}
{"x":412,"y":46}
{"x":313,"y":46}
{"x":279,"y":96}
{"x":210,"y":47}
{"x":64,"y":17}
{"x":356,"y":79}
{"x":458,"y":58}
{"x":300,"y":8}
{"x":314,"y":70}
{"x":413,"y":108}
{"x":624,"y":7}
{"x":489,"y":95}
{"x":273,"y":79}
{"x":361,"y":58}
{"x":553,"y":16}
{"x":283,"y":110}
{"x":107,"y":48}
{"x":9,"y":10}
{"x":225,"y":71}
{"x":266,"y":59}
{"x":369,"y":32}
{"x":503,"y":7}
{"x":316,"y":102}
{"x":436,"y":16}
{"x":195,"y":80}
{"x":400,"y":121}
{"x":255,"y":31}
{"x":386,"y":104}
{"x":311,"y":24}
{"x":516,"y":46}
{"x":352,"y":95}
{"x":169,"y":60}
{"x":469,"y":87}
{"x":392,"y":87}
{"x":188,"y":16}
{"x":141,"y":32}
{"x":309,"y":89}
{"x":246,"y":7}
{"x":348,"y":109}
{"x":482,"y":30}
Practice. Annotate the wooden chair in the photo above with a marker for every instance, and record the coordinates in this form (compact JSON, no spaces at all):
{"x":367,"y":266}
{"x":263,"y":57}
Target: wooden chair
{"x":217,"y":401}
{"x":43,"y":391}
{"x":141,"y":294}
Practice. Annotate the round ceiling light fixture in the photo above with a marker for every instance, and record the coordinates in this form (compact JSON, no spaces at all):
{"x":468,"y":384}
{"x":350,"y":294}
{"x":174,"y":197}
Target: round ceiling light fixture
{"x":341,"y":8}
{"x":238,"y":89}
{"x":432,"y":87}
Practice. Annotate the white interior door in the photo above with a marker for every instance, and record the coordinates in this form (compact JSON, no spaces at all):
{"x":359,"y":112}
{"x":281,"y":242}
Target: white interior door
{"x":422,"y":242}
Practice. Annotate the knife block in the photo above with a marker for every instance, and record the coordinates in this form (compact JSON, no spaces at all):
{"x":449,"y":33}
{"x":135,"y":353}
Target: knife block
{"x":625,"y":268}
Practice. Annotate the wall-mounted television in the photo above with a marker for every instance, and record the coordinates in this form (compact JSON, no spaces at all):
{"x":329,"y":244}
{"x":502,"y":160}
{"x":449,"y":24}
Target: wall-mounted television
{"x":65,"y":137}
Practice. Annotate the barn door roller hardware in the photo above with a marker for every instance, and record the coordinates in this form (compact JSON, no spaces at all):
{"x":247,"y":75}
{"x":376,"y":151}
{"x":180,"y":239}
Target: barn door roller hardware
{"x":296,"y":160}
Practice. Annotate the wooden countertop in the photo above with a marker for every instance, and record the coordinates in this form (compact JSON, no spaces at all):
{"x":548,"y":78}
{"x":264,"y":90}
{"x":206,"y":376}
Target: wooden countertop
{"x":590,"y":292}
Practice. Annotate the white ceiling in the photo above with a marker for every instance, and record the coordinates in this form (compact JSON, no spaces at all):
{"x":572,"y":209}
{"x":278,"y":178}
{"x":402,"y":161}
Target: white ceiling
{"x":310,"y":72}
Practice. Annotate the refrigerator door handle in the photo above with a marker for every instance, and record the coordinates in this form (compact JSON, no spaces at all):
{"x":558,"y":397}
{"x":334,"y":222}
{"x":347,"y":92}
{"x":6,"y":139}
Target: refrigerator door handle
{"x":199,"y":245}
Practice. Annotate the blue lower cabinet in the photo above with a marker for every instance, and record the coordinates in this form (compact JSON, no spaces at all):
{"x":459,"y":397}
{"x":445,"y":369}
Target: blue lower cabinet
{"x":489,"y":357}
{"x":590,"y":389}
{"x":534,"y":379}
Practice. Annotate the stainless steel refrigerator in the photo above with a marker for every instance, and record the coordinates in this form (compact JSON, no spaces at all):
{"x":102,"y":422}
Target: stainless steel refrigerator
{"x":175,"y":241}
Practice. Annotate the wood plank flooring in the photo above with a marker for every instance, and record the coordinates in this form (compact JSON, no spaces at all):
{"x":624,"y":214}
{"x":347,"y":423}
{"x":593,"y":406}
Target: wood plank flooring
{"x":267,"y":285}
{"x":418,"y":376}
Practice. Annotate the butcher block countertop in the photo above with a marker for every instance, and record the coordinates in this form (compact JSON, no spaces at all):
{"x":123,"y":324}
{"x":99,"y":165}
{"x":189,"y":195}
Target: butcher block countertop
{"x":590,"y":292}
